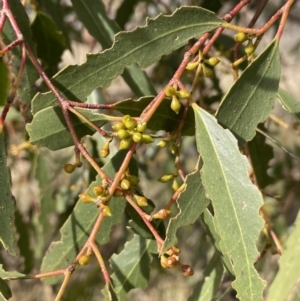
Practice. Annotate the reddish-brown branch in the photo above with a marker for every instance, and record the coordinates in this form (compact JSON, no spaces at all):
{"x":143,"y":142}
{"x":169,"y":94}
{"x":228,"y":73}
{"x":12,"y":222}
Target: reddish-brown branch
{"x":285,"y":12}
{"x":90,"y":105}
{"x":101,"y":263}
{"x":157,"y":237}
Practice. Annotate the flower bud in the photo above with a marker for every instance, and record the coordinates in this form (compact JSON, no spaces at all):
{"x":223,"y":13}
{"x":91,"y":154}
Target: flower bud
{"x":162,"y":143}
{"x":141,"y":200}
{"x":147,"y":139}
{"x":69,"y":168}
{"x":161,"y":214}
{"x":118,"y":192}
{"x":104,"y":152}
{"x":175,"y":185}
{"x":170,"y":91}
{"x":137,"y":137}
{"x":207,"y":71}
{"x":173,"y":149}
{"x":134,"y":180}
{"x":84,"y":260}
{"x":106,"y":210}
{"x":166,"y":178}
{"x":249,"y":49}
{"x":213,"y":61}
{"x":123,"y":134}
{"x":192,"y":65}
{"x":183,"y":94}
{"x":175,"y":104}
{"x":182,"y":187}
{"x":125,"y":184}
{"x":141,"y":127}
{"x":187,"y":270}
{"x":172,"y":261}
{"x":86,"y":198}
{"x":130,"y":123}
{"x":125,"y":143}
{"x":240,"y":37}
{"x":118,"y":126}
{"x":99,"y":190}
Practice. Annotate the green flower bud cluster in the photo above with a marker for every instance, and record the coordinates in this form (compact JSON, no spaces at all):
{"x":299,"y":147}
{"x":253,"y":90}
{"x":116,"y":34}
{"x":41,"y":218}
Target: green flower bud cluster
{"x":171,"y":260}
{"x":204,"y":65}
{"x":100,"y":198}
{"x":129,"y":130}
{"x":128,"y":181}
{"x":242,"y":37}
{"x":172,"y":92}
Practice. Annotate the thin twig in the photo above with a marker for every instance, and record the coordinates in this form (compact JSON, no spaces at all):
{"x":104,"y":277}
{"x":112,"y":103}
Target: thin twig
{"x":278,"y":144}
{"x":63,"y":286}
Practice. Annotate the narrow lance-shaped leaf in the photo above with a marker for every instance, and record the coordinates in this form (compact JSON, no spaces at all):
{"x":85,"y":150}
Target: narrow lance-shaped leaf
{"x":251,"y":98}
{"x":7,"y":203}
{"x":236,"y":202}
{"x":289,"y":103}
{"x":49,"y":128}
{"x":55,"y":10}
{"x":93,"y":15}
{"x":132,"y":266}
{"x":190,"y":203}
{"x":50,"y":42}
{"x":144,"y":45}
{"x":206,"y":289}
{"x":5,"y":292}
{"x":260,"y":154}
{"x":77,"y":228}
{"x":286,"y":283}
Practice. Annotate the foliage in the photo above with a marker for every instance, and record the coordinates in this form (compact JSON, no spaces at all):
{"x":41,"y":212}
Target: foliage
{"x":175,"y":174}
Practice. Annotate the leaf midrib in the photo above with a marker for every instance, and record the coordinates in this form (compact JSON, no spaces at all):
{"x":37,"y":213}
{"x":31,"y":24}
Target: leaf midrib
{"x":236,"y":218}
{"x":127,"y":54}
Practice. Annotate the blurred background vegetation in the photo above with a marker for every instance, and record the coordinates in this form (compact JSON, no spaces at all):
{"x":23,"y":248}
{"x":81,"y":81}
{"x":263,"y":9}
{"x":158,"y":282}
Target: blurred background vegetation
{"x":38,"y":176}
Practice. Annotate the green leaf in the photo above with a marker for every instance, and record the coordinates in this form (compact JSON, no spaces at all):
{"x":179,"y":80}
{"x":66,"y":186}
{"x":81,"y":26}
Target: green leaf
{"x":132,"y":266}
{"x":7,"y":203}
{"x":209,"y":224}
{"x":4,"y":82}
{"x":287,"y":279}
{"x":54,"y":9}
{"x":163,"y":118}
{"x":261,"y":154}
{"x":251,"y":98}
{"x":236,"y":201}
{"x":93,"y":16}
{"x":46,"y":192}
{"x":289,"y":103}
{"x":206,"y":289}
{"x":125,"y":10}
{"x":191,"y":204}
{"x":50,"y":42}
{"x":144,"y":45}
{"x":9,"y":275}
{"x":78,"y":226}
{"x":49,"y":128}
{"x":5,"y":292}
{"x":24,"y":231}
